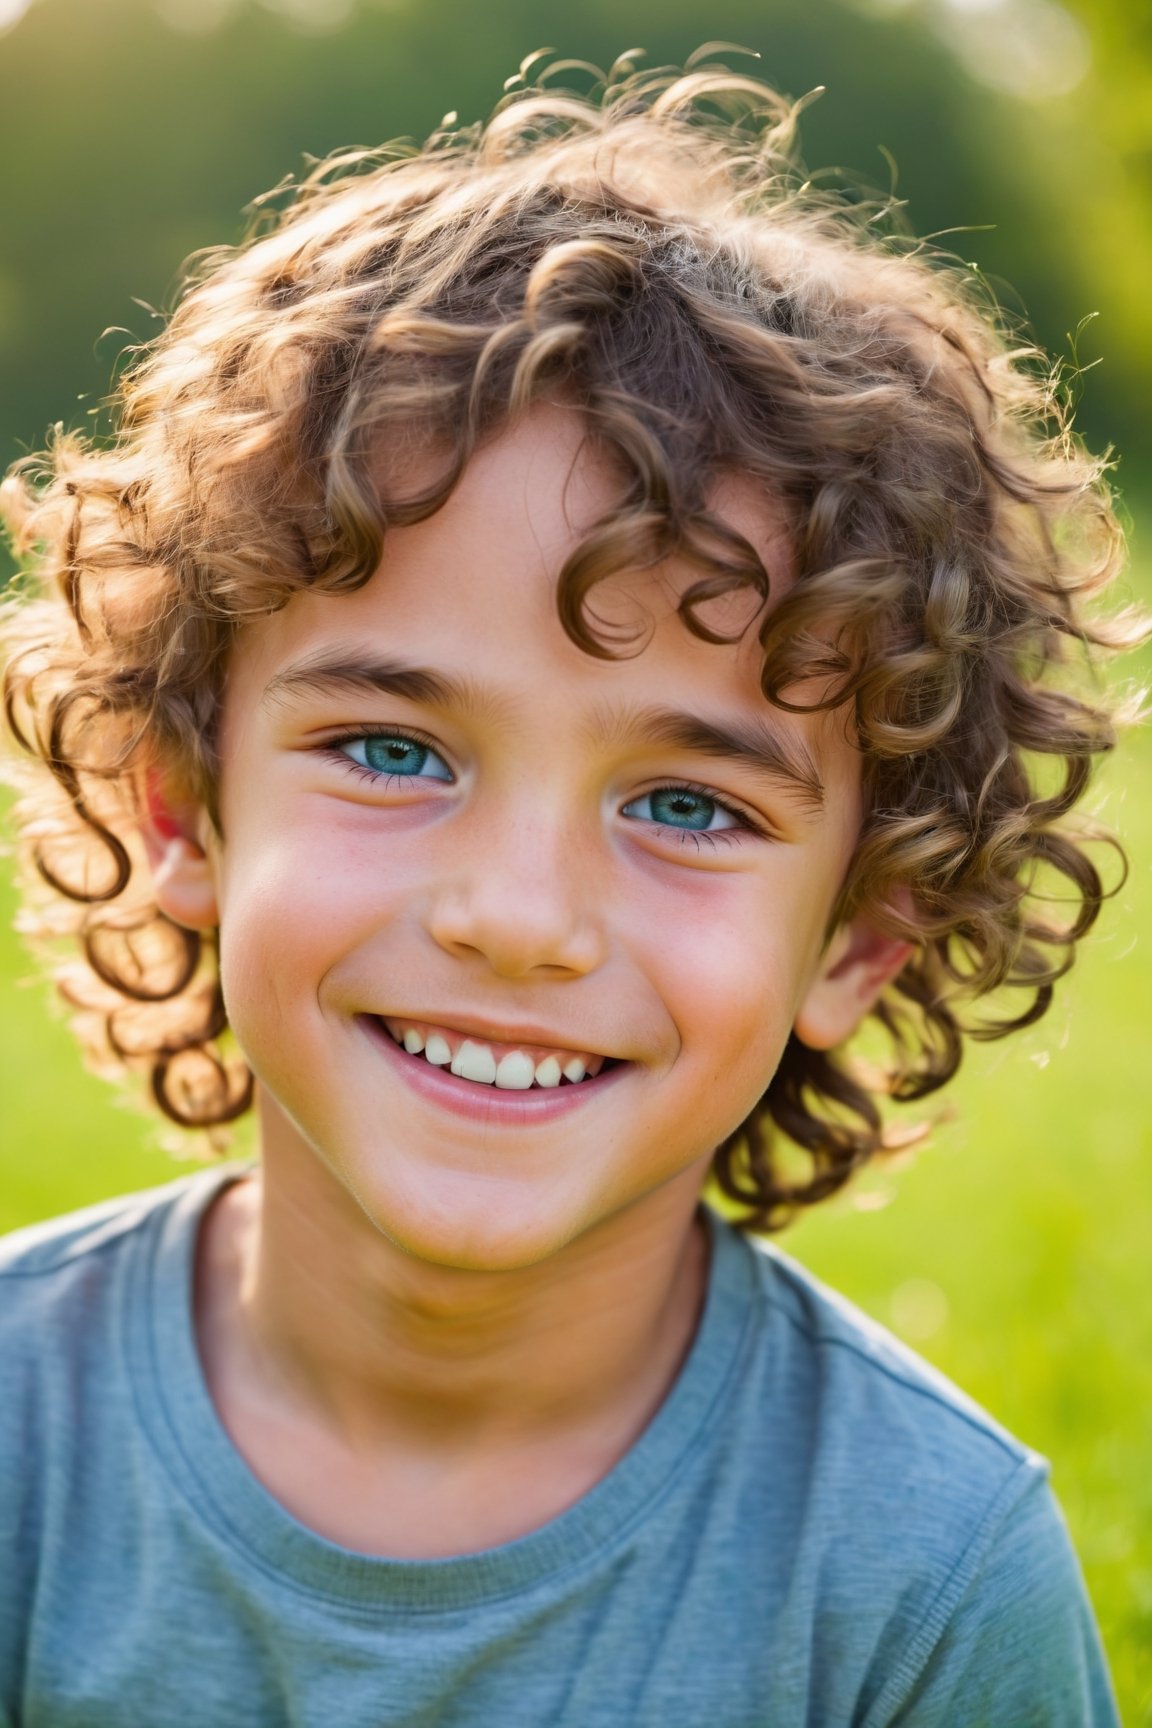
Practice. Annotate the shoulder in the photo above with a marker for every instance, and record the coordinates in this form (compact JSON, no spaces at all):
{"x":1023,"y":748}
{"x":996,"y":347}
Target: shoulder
{"x":932,"y":1530}
{"x":41,"y":1250}
{"x":40,"y":1254}
{"x":873,"y":1388}
{"x":59,"y":1279}
{"x":68,"y":1290}
{"x":905,"y":1480}
{"x":67,"y":1387}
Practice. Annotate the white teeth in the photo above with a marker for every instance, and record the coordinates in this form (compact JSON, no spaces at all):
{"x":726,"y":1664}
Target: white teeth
{"x":513,"y":1072}
{"x":474,"y":1062}
{"x":516,"y":1071}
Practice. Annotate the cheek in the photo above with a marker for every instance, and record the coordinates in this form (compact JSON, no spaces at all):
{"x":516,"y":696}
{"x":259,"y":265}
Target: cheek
{"x":730,"y":973}
{"x":291,"y":903}
{"x":305,"y":876}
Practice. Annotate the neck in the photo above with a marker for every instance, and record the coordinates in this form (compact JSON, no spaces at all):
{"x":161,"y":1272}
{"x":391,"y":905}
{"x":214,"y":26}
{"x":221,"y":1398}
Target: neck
{"x":304,"y":1302}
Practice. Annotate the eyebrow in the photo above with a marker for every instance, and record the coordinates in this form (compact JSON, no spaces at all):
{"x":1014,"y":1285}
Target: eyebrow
{"x":751,"y":743}
{"x":754,"y":744}
{"x":345,"y":671}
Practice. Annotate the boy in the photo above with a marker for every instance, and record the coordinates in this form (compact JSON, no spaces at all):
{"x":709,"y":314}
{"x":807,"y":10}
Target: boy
{"x":552,"y":649}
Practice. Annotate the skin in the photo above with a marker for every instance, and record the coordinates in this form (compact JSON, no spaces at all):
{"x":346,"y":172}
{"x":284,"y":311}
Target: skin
{"x":429,"y":1331}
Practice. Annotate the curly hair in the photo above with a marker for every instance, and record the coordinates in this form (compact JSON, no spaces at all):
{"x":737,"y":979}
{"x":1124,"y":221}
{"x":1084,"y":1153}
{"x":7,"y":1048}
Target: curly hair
{"x":648,"y":254}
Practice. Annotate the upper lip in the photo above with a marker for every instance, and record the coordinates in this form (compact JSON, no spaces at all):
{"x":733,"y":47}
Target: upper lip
{"x":500,"y":1032}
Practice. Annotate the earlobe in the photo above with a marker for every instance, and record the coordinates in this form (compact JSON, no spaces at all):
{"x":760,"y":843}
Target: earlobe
{"x":858,"y":962}
{"x":183,"y":876}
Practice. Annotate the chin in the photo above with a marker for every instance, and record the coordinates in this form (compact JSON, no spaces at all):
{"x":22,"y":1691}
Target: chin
{"x":501,"y":1228}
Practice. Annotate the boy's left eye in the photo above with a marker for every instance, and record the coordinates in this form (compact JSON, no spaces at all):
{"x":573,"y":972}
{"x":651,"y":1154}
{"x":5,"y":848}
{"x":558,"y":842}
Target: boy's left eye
{"x":393,"y":753}
{"x":684,"y":807}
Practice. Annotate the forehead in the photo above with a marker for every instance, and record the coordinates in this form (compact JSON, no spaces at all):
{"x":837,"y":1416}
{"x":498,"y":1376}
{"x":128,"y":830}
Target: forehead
{"x":471,"y":591}
{"x":479,"y":576}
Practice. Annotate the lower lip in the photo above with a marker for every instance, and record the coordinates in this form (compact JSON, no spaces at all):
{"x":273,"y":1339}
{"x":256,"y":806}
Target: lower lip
{"x":490,"y":1104}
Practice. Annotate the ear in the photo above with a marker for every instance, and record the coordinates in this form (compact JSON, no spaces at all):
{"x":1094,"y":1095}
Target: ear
{"x":175,"y":834}
{"x":856,"y":965}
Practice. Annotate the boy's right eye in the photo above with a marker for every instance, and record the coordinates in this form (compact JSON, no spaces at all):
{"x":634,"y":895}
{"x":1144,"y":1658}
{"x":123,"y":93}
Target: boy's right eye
{"x":392,"y":754}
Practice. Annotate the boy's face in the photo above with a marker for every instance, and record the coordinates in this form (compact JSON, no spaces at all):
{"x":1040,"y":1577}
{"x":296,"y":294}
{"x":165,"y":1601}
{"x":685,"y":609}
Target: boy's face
{"x":478,"y":830}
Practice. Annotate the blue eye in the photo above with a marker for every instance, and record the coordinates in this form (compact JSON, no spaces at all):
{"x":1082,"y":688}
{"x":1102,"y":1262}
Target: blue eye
{"x":683,"y":807}
{"x":393,"y":753}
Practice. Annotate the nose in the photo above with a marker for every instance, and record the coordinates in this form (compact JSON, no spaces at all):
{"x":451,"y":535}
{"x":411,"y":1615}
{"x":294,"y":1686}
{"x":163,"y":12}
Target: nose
{"x":525,"y":901}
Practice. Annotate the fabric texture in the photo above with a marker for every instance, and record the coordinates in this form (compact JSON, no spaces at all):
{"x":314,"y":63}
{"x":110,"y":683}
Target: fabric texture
{"x":815,"y":1530}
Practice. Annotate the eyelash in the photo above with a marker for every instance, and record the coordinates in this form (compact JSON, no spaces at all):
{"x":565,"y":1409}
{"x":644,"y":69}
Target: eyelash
{"x":376,"y":776}
{"x":709,"y":837}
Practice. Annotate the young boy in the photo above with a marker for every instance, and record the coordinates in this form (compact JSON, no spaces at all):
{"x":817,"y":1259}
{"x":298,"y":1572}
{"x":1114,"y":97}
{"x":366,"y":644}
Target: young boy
{"x":556,"y":643}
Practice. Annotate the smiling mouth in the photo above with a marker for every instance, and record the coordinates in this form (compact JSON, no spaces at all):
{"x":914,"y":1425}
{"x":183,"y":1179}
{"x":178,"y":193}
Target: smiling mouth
{"x":509,"y":1067}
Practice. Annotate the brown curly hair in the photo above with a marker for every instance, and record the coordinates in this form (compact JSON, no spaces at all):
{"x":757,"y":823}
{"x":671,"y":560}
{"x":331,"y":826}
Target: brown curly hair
{"x":648,"y":254}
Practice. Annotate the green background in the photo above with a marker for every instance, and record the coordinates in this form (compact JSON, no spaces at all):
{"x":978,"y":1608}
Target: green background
{"x":1014,"y":1252}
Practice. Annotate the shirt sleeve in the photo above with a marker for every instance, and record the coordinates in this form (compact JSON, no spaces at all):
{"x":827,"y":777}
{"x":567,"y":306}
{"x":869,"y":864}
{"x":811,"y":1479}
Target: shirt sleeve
{"x":1021,"y":1648}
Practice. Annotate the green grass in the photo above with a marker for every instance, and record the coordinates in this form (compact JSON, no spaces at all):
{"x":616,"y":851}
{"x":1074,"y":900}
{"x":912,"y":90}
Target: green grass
{"x":1014,"y":1252}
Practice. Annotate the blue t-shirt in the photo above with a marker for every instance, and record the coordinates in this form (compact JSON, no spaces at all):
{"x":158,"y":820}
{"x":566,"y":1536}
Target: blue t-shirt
{"x":815,"y":1529}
